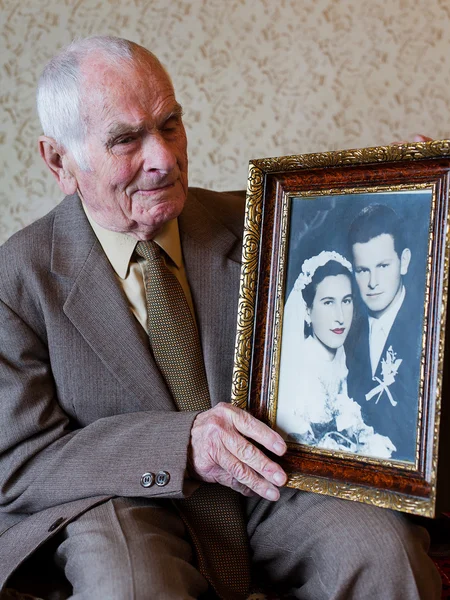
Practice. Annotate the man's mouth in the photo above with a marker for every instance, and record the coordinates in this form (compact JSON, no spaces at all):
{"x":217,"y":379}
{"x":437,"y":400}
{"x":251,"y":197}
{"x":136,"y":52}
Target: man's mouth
{"x":153,"y":190}
{"x":149,"y":186}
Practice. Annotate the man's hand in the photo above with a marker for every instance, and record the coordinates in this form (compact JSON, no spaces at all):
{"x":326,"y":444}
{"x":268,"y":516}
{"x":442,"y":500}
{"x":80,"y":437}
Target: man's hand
{"x":417,"y":137}
{"x":220,"y":452}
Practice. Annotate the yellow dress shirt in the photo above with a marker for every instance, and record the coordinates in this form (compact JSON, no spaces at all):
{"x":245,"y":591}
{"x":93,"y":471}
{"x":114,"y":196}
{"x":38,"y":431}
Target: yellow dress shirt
{"x":119,"y":250}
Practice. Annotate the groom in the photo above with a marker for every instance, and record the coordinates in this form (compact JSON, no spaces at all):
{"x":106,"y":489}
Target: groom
{"x":384,"y":345}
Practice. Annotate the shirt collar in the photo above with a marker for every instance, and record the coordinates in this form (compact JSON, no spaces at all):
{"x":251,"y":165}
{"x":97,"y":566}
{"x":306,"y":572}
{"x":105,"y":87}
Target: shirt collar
{"x":119,"y":247}
{"x":385,"y":322}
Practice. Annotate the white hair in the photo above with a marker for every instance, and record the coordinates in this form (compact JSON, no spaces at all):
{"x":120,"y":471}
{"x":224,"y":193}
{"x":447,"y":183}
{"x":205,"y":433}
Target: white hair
{"x":59,"y":91}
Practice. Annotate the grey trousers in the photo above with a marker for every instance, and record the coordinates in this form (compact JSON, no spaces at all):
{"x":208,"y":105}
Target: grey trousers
{"x":127,"y":550}
{"x":310,"y":546}
{"x":323,"y":548}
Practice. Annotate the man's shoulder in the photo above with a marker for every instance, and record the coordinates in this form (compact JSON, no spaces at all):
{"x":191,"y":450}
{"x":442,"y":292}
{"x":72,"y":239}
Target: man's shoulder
{"x":29,"y":245}
{"x":412,"y":305}
{"x":40,"y":230}
{"x":406,"y":331}
{"x":30,"y":249}
{"x":226,"y":207}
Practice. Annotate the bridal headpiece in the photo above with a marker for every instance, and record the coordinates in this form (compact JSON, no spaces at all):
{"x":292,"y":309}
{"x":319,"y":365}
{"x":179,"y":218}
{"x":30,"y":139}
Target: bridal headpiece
{"x":310,"y":266}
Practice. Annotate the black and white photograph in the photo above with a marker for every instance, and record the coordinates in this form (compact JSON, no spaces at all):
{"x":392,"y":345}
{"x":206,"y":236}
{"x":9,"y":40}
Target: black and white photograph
{"x":343,"y":341}
{"x":353,"y":322}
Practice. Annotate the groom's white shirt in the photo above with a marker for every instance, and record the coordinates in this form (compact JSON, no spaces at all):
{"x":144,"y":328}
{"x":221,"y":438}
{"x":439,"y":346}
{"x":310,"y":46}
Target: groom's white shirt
{"x":379,"y":330}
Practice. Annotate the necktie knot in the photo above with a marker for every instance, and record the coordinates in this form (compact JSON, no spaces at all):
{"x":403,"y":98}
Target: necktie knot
{"x":148,"y":249}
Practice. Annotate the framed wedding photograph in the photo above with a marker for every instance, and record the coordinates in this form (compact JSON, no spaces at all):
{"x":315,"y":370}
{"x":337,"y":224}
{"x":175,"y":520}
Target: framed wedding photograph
{"x":341,"y":336}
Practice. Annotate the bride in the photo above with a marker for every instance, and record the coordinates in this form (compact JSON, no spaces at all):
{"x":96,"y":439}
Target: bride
{"x":313,"y":406}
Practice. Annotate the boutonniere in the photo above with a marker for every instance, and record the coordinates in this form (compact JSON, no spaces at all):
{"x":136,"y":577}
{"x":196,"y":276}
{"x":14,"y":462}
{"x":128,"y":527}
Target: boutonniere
{"x":389,"y":370}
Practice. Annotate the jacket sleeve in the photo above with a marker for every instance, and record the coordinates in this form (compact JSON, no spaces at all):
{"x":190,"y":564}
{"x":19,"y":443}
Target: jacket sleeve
{"x":47,"y":458}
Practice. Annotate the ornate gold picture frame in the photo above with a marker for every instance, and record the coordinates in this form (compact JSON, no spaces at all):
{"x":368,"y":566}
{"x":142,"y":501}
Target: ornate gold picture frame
{"x":341,"y":341}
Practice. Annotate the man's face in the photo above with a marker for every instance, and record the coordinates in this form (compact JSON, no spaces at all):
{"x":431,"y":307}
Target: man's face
{"x":135,"y":146}
{"x":378,"y":271}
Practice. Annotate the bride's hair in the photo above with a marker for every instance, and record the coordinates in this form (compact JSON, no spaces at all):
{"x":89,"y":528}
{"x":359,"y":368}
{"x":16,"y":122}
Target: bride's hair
{"x":332,"y":267}
{"x":314,"y":270}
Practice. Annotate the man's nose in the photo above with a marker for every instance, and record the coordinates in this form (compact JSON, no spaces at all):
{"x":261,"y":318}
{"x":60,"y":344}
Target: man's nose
{"x":158,"y":154}
{"x":373,"y":280}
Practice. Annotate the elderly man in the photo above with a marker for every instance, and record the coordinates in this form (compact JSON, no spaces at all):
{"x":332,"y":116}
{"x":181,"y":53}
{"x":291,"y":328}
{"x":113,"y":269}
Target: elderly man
{"x":120,"y":456}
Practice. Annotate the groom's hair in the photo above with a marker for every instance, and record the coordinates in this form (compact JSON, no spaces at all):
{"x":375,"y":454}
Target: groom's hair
{"x":374,"y":220}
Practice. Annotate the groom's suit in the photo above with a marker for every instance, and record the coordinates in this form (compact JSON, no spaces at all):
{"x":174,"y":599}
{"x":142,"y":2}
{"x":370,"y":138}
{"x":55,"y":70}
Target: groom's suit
{"x":394,"y":414}
{"x":84,"y":411}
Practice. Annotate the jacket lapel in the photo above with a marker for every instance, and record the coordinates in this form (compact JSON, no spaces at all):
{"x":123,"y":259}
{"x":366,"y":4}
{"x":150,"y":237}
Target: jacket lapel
{"x":98,"y":309}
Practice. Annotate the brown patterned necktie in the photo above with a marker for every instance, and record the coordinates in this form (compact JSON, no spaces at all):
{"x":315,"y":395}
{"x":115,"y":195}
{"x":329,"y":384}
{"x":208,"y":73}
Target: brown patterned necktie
{"x":213,"y":513}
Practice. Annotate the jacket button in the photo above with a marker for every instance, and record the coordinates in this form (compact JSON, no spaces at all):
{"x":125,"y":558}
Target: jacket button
{"x":56,"y":524}
{"x":162,"y":478}
{"x":147,"y":480}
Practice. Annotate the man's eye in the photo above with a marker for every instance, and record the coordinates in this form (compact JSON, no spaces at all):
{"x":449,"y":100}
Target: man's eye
{"x":348,"y":300}
{"x":328,"y":302}
{"x":125,"y":140}
{"x":171,"y":124}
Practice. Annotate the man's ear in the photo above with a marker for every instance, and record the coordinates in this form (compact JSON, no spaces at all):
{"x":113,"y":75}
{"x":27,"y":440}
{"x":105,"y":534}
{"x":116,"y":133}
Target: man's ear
{"x":405,"y":259}
{"x":56,"y":159}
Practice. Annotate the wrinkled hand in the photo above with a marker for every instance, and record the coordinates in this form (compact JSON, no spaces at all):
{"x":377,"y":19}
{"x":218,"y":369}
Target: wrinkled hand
{"x":415,"y":138}
{"x":221,"y":453}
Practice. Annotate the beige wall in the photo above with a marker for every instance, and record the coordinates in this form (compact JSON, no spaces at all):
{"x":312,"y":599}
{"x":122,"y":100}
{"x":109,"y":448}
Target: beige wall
{"x":256,"y":77}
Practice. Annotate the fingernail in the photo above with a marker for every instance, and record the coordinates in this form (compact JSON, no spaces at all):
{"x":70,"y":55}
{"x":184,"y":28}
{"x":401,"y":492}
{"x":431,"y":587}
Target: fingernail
{"x":279,"y":447}
{"x":279,"y":478}
{"x":272,"y":494}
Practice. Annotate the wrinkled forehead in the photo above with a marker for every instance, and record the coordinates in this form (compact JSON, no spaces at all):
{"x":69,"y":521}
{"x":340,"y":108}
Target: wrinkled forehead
{"x":109,"y":81}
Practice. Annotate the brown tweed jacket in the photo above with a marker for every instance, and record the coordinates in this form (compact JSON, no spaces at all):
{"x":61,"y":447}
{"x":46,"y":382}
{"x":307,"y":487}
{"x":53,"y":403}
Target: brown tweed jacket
{"x":84,"y":411}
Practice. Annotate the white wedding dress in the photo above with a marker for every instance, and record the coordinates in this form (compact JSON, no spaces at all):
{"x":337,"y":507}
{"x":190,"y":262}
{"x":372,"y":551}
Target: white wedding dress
{"x":313,"y":406}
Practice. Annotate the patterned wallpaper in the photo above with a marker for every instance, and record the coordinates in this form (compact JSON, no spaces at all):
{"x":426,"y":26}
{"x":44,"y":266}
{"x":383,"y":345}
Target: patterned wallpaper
{"x":256,"y":78}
